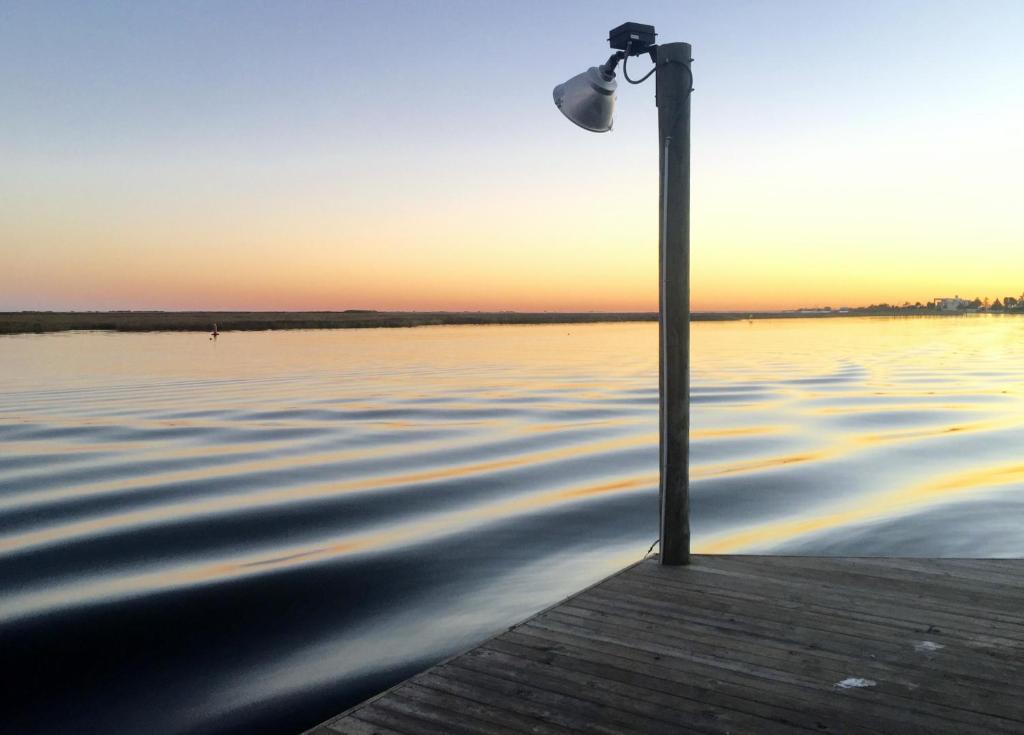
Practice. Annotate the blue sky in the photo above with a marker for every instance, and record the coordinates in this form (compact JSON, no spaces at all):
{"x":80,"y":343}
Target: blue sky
{"x":227,"y":130}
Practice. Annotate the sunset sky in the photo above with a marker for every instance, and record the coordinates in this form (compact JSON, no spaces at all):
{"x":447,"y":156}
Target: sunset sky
{"x":407,"y":155}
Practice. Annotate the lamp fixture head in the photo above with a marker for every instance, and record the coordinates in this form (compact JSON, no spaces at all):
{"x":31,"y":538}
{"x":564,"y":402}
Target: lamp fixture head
{"x":588,"y":99}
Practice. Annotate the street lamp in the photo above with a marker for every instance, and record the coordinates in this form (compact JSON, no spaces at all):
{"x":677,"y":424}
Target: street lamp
{"x":588,"y":99}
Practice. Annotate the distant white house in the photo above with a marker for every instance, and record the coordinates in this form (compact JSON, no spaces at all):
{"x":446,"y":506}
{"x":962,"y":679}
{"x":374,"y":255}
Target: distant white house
{"x":947,"y":304}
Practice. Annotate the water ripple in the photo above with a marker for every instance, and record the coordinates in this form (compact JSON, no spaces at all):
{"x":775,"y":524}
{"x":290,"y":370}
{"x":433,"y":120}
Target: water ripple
{"x":296,"y":519}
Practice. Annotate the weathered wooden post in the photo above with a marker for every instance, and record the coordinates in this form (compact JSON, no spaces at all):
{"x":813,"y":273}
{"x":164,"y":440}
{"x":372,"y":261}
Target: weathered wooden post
{"x":673,"y":80}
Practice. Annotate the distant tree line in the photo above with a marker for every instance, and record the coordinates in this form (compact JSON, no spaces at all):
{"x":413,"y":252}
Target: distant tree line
{"x":978,"y":303}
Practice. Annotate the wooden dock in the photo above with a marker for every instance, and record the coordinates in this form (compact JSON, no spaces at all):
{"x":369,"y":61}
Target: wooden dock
{"x":740,"y":644}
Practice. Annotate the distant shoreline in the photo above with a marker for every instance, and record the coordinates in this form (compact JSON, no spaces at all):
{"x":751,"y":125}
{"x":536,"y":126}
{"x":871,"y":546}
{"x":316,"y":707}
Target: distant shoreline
{"x":40,"y":322}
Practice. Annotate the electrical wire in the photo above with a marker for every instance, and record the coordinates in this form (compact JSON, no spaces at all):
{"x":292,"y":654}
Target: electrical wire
{"x":662,"y":330}
{"x":656,"y":542}
{"x":644,"y":78}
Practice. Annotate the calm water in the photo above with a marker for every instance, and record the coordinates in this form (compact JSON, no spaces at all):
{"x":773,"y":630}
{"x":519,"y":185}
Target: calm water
{"x":253,"y":533}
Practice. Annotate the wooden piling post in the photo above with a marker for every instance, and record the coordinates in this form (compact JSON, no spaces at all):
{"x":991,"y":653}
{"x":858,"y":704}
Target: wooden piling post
{"x":673,"y":83}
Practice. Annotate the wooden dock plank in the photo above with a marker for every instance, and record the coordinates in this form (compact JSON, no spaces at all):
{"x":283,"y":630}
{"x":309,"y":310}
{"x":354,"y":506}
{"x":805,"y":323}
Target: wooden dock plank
{"x":786,"y":636}
{"x":793,"y":593}
{"x":780,"y":645}
{"x":775,"y":674}
{"x":472,"y":696}
{"x":872,"y":621}
{"x":944,"y":693}
{"x":740,"y":644}
{"x":654,"y":679}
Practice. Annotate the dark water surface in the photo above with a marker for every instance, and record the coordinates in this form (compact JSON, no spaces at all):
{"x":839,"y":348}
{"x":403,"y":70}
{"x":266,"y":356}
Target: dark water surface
{"x":252,"y":534}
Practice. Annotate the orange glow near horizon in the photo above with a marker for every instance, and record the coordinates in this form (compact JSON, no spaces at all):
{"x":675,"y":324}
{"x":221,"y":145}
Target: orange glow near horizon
{"x":272,"y":284}
{"x":817,"y":182}
{"x":758,"y":242}
{"x":535,"y":267}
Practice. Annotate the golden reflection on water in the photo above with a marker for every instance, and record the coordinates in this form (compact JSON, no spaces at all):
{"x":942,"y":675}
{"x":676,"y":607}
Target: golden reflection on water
{"x":391,"y":537}
{"x":755,"y":465}
{"x":898,"y":436}
{"x":865,"y":509}
{"x":334,"y":494}
{"x":798,"y":427}
{"x":194,"y":507}
{"x":739,"y":431}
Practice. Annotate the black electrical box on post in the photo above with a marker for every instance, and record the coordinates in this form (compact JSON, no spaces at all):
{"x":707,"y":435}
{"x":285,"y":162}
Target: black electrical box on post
{"x":637,"y":37}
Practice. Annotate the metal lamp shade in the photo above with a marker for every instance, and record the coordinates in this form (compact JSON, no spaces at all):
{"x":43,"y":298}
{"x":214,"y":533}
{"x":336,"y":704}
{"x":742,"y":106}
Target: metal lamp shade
{"x":588,"y":99}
